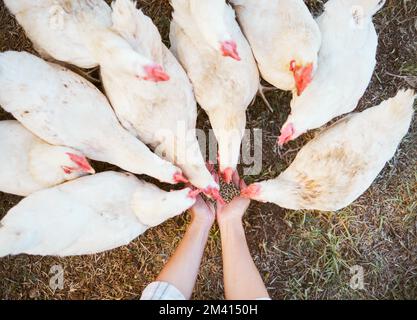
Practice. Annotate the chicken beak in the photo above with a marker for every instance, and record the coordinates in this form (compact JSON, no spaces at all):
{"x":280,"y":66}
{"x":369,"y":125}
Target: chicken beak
{"x":251,"y":191}
{"x":82,"y":163}
{"x":228,"y":174}
{"x":229,"y":49}
{"x":286,"y":134}
{"x":179,"y":178}
{"x":155,"y":73}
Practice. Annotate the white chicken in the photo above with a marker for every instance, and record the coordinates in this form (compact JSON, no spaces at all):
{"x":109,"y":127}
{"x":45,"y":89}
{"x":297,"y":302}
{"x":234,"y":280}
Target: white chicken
{"x":341,"y":163}
{"x":88,"y":215}
{"x":29,"y":164}
{"x":285,"y":40}
{"x":64,"y":109}
{"x":347,"y":61}
{"x":80,"y":32}
{"x":162,"y":115}
{"x":207,"y":40}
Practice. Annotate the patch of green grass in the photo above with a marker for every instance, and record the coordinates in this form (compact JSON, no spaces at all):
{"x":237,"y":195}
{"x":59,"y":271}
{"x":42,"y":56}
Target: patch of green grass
{"x":409,"y":69}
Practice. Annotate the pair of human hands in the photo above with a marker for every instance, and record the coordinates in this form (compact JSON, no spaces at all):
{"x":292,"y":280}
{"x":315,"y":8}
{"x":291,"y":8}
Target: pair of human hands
{"x":205,"y":213}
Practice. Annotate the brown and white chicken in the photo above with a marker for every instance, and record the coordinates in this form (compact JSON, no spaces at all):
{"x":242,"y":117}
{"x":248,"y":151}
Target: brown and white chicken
{"x":341,"y":163}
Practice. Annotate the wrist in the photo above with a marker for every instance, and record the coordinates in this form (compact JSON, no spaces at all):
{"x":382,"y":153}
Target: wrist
{"x":232,"y":232}
{"x":201,"y":224}
{"x":230,"y":222}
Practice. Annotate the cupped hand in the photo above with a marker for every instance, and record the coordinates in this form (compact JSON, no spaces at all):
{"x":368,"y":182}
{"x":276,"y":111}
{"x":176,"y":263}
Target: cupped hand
{"x":202,"y":213}
{"x":234,"y":211}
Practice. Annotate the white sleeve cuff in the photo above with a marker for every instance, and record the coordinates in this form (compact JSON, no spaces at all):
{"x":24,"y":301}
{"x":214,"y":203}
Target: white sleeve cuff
{"x":161,"y":291}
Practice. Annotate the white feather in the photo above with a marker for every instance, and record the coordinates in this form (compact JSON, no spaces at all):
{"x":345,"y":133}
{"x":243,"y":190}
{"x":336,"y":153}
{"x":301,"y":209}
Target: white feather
{"x":64,"y":109}
{"x":341,"y":163}
{"x":163,"y":114}
{"x":224,"y":87}
{"x":88,"y":215}
{"x":56,"y":27}
{"x":347,"y":61}
{"x":279,"y":31}
{"x":29,"y":164}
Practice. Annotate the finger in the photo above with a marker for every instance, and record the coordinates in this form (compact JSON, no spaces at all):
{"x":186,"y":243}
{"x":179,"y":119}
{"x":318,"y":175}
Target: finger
{"x":219,"y":206}
{"x":199,"y":201}
{"x":216,"y":177}
{"x":240,"y":204}
{"x":199,"y":205}
{"x":210,"y":167}
{"x":242,"y":184}
{"x":236,"y":178}
{"x":211,"y":206}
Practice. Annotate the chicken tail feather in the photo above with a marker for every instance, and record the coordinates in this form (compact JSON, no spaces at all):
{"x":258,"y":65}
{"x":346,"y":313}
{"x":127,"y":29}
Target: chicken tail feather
{"x":401,"y":106}
{"x":8,"y":241}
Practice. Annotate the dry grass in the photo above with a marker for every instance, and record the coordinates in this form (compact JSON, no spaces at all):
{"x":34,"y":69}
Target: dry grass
{"x":304,"y":255}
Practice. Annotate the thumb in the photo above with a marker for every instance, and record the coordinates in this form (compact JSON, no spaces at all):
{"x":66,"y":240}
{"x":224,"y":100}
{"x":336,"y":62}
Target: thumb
{"x":241,"y":204}
{"x":211,"y":206}
{"x":219,"y":206}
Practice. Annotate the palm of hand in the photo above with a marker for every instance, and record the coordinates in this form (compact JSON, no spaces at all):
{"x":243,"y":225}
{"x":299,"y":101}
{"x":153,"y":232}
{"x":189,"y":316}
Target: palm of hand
{"x":234,"y":210}
{"x":205,"y":213}
{"x":202,"y":212}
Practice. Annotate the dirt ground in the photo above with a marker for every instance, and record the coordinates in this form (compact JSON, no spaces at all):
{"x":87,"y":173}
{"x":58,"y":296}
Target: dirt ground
{"x":301,"y":255}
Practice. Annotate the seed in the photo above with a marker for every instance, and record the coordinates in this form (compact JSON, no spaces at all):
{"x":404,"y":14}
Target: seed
{"x":228,"y":191}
